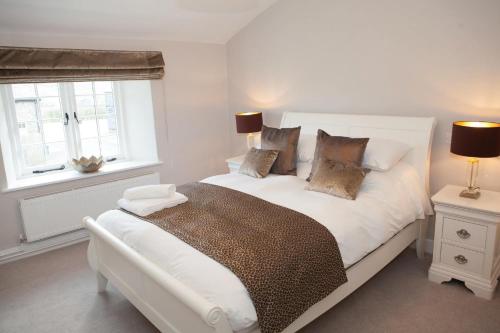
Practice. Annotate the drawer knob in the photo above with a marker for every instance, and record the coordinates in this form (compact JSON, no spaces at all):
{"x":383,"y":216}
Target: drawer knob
{"x":460,"y":259}
{"x":464,"y":234}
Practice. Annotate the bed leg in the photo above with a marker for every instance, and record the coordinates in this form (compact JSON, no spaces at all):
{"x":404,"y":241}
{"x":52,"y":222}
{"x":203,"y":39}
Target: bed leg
{"x":102,"y":282}
{"x":422,"y":233}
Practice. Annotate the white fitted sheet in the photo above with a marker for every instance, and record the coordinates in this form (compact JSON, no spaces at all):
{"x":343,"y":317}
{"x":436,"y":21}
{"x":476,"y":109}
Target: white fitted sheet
{"x":387,"y":202}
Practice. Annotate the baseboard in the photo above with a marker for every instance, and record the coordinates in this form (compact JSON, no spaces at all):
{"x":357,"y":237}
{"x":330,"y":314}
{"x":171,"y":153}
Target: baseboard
{"x":25,"y":250}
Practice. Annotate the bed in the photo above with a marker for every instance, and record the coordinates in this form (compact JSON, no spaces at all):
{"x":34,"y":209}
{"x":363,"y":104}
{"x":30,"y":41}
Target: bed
{"x":162,"y":280}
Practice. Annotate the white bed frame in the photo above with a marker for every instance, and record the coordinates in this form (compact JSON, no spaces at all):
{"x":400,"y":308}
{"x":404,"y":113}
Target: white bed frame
{"x":173,"y":307}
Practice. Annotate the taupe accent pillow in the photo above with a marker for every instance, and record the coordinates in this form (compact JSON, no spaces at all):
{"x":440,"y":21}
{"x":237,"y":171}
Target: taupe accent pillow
{"x":258,"y":162}
{"x":338,"y":179}
{"x":349,"y":151}
{"x":285,"y":140}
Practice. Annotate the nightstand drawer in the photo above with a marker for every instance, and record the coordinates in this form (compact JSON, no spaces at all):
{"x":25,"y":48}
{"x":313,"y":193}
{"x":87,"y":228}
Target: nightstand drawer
{"x":463,"y":232}
{"x":462,"y":259}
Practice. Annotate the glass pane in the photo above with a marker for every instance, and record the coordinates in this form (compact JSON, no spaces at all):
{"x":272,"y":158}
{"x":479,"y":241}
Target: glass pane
{"x":107,"y":125}
{"x":26,"y":111}
{"x":105,"y":104}
{"x":102,"y":87}
{"x":53,"y":130}
{"x":33,"y":155}
{"x":24,"y":90}
{"x":88,"y":128}
{"x":29,"y":132}
{"x":105,"y":100}
{"x":110,"y":146}
{"x":50,"y":108}
{"x":90,"y":147}
{"x":100,"y":100}
{"x":56,"y":153}
{"x":47,"y":89}
{"x":83,"y":88}
{"x":85,"y":106}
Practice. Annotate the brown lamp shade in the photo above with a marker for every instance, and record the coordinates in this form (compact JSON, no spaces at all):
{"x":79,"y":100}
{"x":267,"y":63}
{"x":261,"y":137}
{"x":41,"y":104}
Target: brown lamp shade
{"x":475,"y":138}
{"x":248,"y":122}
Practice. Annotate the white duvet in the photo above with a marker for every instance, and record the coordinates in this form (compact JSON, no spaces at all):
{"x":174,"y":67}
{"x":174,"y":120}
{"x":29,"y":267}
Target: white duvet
{"x":387,"y":202}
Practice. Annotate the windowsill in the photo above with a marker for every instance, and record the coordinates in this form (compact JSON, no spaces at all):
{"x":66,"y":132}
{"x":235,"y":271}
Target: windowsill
{"x":71,"y":175}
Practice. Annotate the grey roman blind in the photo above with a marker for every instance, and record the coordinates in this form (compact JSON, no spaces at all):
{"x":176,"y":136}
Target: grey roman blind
{"x":24,"y":64}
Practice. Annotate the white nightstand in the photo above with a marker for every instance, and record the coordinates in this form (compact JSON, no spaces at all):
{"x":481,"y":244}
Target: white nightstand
{"x":467,"y":240}
{"x":234,"y":163}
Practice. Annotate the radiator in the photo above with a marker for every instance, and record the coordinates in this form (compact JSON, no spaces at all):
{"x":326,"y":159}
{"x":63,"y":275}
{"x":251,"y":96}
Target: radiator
{"x":55,"y":214}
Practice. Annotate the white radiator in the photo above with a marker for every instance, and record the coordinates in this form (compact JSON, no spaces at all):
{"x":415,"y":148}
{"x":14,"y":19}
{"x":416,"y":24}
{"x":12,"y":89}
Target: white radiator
{"x":62,"y":212}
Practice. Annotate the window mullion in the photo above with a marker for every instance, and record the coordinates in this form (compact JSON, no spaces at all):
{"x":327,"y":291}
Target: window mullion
{"x":72,"y":128}
{"x":40,"y":124}
{"x":94,"y":97}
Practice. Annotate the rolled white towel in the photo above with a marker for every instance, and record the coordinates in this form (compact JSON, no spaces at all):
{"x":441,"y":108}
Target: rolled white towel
{"x":161,"y":191}
{"x":149,"y":206}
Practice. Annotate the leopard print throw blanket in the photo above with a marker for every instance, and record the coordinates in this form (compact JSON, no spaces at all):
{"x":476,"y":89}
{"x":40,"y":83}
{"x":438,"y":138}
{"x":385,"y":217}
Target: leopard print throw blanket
{"x":286,"y":260}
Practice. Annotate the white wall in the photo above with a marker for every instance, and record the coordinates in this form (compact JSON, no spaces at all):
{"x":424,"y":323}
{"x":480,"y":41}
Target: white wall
{"x":190,"y":106}
{"x":397,"y":57}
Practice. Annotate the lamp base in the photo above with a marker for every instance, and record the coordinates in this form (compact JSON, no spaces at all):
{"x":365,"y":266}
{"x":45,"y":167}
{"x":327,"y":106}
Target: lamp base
{"x":250,"y":140}
{"x":471,"y":193}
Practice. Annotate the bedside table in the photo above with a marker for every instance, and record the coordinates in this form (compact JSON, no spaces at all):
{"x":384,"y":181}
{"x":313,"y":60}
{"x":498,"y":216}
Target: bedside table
{"x":467,"y":240}
{"x":234,"y":163}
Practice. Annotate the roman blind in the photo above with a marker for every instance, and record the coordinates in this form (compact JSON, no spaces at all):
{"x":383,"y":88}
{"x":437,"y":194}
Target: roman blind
{"x":31,"y":65}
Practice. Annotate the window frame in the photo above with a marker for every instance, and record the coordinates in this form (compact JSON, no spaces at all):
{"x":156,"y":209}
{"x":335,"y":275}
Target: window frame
{"x":72,"y":139}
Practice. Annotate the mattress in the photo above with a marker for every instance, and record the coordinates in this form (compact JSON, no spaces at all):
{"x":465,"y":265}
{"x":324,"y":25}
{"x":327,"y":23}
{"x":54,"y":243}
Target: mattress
{"x":387,"y":202}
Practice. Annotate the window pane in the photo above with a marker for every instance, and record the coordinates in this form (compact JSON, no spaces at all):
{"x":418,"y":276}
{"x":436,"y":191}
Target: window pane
{"x":88,"y":128}
{"x":100,"y":100}
{"x":90,"y":147}
{"x":25,"y":90}
{"x":110,"y":146}
{"x":105,"y":104}
{"x":50,"y":108}
{"x":25,"y":111}
{"x":83,"y":88}
{"x":107,"y":125}
{"x":33,"y":155}
{"x":56,"y":153}
{"x":53,"y":130}
{"x":102,"y":87}
{"x":47,"y":89}
{"x":29,"y":132}
{"x":85,"y":106}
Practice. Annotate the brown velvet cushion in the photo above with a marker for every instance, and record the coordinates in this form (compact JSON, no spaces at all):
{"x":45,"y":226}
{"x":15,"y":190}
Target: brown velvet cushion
{"x":349,"y":151}
{"x":258,"y":162}
{"x":285,"y":140}
{"x":338,"y":179}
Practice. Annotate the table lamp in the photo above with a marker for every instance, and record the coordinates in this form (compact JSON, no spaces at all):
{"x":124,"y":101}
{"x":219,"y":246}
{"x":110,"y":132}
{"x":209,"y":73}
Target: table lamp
{"x":249,"y":123}
{"x":475,"y":139}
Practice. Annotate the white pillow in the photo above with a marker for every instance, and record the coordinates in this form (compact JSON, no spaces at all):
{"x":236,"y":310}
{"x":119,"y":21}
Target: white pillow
{"x":383,"y":154}
{"x":306,"y":147}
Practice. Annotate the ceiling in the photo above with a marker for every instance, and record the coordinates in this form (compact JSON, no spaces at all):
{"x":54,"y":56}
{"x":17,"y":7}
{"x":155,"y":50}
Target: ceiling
{"x":210,"y":21}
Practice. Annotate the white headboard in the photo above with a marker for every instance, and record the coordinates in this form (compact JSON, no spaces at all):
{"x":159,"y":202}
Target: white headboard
{"x":414,"y":131}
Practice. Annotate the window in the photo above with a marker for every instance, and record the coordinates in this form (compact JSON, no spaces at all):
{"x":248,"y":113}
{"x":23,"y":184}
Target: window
{"x":51,"y":123}
{"x":97,"y":118}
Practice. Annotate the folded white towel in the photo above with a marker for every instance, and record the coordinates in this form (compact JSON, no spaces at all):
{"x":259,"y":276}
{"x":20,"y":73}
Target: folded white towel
{"x":149,"y":206}
{"x":150,"y":192}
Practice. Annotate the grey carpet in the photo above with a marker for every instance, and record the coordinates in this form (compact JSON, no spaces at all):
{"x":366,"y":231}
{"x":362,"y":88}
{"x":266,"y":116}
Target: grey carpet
{"x":55,"y":292}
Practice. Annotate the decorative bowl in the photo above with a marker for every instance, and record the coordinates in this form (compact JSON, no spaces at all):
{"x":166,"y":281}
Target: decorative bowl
{"x":86,"y":165}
